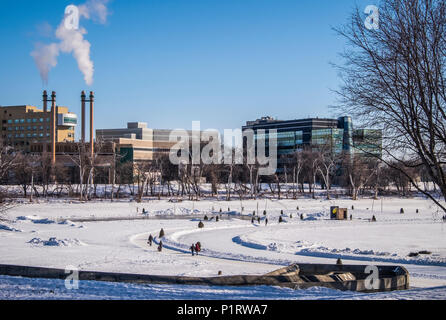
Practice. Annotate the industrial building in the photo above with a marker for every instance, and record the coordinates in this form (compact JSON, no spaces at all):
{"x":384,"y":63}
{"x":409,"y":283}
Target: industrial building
{"x":138,"y":143}
{"x":23,"y":126}
{"x":32,"y":130}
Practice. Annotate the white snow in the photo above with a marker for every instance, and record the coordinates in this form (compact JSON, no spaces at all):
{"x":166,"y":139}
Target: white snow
{"x":54,"y":242}
{"x":8,"y":228}
{"x":49,"y":239}
{"x":39,"y":289}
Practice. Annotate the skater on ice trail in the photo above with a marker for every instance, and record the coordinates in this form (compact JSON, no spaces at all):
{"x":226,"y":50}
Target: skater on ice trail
{"x":266,"y":221}
{"x":149,"y":241}
{"x":192,"y":249}
{"x":160,"y":246}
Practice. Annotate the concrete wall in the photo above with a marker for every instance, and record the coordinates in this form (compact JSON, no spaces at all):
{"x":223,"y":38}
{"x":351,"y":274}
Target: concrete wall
{"x":290,"y":277}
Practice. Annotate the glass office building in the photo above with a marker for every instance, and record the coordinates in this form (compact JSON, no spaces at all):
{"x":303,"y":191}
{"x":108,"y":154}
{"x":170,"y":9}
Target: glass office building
{"x":337,"y":134}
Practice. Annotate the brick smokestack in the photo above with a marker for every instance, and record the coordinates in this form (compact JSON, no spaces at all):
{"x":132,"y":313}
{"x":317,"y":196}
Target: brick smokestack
{"x":45,"y":101}
{"x":53,"y":127}
{"x":83,"y":99}
{"x":91,"y":123}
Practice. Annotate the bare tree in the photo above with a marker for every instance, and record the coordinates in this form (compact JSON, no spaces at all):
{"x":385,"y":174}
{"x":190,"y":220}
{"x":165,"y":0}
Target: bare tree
{"x":394,"y":77}
{"x":299,"y":163}
{"x":311,"y":164}
{"x":23,"y":171}
{"x":357,"y":172}
{"x":326,"y":160}
{"x":81,"y":160}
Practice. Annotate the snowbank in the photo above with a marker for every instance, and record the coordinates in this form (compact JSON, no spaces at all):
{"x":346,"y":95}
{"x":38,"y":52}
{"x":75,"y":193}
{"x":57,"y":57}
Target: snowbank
{"x":8,"y":228}
{"x":54,"y":242}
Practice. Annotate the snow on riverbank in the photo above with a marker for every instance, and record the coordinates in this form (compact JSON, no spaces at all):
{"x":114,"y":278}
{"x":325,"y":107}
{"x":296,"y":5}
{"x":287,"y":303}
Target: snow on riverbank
{"x":54,"y":242}
{"x":39,"y":289}
{"x":356,"y":241}
{"x":8,"y":228}
{"x":49,"y":239}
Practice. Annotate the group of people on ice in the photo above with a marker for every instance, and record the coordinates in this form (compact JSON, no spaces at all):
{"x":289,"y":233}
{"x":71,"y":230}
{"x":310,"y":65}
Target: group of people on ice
{"x":195,"y":248}
{"x":150,"y":241}
{"x":258,"y":220}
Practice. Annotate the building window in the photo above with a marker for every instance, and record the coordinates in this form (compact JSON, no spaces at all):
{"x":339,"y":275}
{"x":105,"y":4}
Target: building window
{"x":16,"y":121}
{"x":34,"y":120}
{"x":41,"y":119}
{"x":28,"y":120}
{"x":70,"y":120}
{"x":9,"y":121}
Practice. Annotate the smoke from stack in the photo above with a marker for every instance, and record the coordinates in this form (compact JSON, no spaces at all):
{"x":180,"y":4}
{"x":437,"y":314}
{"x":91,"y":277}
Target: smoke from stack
{"x":71,"y":41}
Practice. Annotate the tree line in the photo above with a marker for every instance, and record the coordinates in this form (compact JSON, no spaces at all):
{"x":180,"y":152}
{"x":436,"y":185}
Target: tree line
{"x":107,"y":175}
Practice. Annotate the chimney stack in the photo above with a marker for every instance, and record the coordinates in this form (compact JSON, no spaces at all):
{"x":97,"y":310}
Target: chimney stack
{"x":53,"y":127}
{"x":45,"y":101}
{"x":91,"y":124}
{"x":83,"y":99}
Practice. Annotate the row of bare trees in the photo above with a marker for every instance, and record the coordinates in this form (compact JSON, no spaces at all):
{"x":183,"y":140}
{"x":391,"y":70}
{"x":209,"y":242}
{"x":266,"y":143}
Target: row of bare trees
{"x":298,"y":174}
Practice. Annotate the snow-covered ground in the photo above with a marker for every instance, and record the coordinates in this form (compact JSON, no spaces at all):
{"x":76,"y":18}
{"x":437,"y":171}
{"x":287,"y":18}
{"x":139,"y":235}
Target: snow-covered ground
{"x":41,"y":234}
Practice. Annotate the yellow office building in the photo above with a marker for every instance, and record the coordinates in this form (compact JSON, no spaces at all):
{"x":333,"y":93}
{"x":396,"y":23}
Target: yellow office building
{"x":22,"y":126}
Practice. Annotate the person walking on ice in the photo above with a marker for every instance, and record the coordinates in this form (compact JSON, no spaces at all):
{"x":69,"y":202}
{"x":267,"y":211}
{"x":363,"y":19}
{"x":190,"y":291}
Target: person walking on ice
{"x":150,"y":240}
{"x":160,"y":246}
{"x":266,"y":221}
{"x":197,"y":247}
{"x":192,"y":249}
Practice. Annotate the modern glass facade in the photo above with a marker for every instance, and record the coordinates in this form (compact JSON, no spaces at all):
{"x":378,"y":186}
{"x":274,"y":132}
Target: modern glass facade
{"x":331,"y":138}
{"x":368,"y":142}
{"x":337,"y":134}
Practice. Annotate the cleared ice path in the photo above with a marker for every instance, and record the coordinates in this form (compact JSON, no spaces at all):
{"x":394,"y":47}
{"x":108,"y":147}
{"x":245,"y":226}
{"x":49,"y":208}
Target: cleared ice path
{"x":221,"y":245}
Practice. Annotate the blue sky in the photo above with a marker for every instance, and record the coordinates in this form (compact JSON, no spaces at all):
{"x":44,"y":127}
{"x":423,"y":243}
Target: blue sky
{"x":170,"y":62}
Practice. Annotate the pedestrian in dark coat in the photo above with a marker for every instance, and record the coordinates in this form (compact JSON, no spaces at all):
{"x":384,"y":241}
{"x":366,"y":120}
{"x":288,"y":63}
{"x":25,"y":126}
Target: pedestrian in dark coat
{"x":149,"y":241}
{"x":266,"y":221}
{"x":192,"y":249}
{"x":160,"y":246}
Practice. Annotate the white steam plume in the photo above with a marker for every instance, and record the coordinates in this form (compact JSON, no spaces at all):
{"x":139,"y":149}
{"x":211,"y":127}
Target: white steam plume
{"x":95,"y":9}
{"x":72,"y":41}
{"x":45,"y":57}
